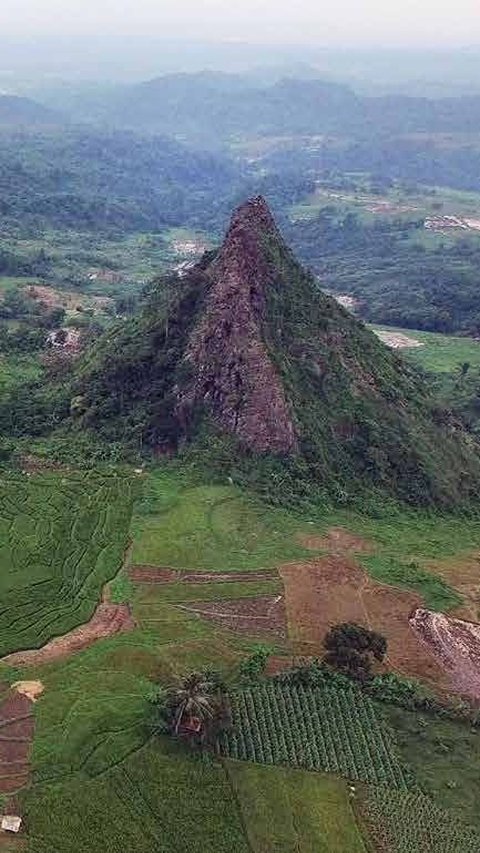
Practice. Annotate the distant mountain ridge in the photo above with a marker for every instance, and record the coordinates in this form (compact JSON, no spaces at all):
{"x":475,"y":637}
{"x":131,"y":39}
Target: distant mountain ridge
{"x":246,"y":347}
{"x":17,"y":112}
{"x":214,"y":104}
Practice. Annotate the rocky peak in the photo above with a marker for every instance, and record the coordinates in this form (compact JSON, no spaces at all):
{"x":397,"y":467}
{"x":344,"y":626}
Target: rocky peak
{"x":253,"y":214}
{"x":231,"y":373}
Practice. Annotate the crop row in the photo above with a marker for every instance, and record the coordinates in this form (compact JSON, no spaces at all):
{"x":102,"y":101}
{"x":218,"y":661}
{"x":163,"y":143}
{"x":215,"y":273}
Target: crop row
{"x":328,"y":729}
{"x":60,"y":541}
{"x":410,"y":822}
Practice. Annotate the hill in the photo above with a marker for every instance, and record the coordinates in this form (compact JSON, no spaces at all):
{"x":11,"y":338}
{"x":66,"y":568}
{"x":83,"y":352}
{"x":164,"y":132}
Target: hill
{"x":84,"y":178}
{"x":214,"y":105}
{"x":17,"y":112}
{"x":246,"y":349}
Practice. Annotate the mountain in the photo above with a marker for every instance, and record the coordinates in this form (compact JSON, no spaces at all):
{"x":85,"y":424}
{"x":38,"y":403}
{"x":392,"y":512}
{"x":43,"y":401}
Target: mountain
{"x":217,"y":107}
{"x":245,"y":350}
{"x":19,"y":113}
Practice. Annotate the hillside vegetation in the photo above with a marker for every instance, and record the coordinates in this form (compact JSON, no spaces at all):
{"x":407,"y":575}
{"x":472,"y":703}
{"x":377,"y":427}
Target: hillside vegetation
{"x":349,"y":414}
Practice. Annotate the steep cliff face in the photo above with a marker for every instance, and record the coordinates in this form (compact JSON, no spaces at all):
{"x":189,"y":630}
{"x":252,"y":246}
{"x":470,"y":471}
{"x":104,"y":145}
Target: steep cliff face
{"x":231,"y":373}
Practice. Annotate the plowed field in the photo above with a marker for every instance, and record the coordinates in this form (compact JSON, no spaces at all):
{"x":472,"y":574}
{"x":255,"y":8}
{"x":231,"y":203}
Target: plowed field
{"x":333,"y":589}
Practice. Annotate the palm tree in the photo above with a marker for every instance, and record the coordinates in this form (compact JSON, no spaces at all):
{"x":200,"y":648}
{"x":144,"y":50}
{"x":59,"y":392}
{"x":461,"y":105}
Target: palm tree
{"x":195,"y":699}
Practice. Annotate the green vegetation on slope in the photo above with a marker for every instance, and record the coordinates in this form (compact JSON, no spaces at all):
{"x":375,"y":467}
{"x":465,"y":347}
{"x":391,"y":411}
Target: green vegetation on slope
{"x":62,"y":537}
{"x":16,"y":370}
{"x":286,"y":810}
{"x":364,"y":414}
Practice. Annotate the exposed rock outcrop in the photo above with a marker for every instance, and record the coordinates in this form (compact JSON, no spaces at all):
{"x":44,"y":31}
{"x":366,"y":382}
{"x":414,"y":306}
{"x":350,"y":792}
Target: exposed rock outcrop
{"x":231,"y":371}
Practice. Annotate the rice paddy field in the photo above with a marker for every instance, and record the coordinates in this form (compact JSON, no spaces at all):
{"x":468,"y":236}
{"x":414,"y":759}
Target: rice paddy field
{"x":61,"y":540}
{"x":198,"y":571}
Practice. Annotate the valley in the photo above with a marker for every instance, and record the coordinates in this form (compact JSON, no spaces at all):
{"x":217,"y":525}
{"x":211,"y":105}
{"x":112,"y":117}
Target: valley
{"x":239,"y":467}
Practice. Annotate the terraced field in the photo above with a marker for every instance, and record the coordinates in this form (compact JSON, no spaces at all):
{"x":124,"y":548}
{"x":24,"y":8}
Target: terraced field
{"x":62,"y":537}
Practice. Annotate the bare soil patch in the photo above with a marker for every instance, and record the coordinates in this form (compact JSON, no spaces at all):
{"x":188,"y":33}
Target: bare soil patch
{"x":31,"y":689}
{"x":456,"y":644}
{"x":67,"y":299}
{"x":16,"y":735}
{"x":262,"y":615}
{"x":107,"y":620}
{"x":336,"y":541}
{"x":161,"y":574}
{"x":153,"y":574}
{"x":397,"y":340}
{"x":333,"y":589}
{"x":31,"y":464}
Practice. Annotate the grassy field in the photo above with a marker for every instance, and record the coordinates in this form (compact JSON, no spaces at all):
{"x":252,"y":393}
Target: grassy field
{"x":411,"y":822}
{"x":61,"y":539}
{"x":214,"y":528}
{"x":439,"y":353}
{"x":156,"y":799}
{"x":436,"y":593}
{"x":444,"y":756}
{"x":286,"y":810}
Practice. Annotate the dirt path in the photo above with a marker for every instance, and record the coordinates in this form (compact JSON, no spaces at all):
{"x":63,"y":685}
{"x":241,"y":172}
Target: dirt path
{"x":456,"y":645}
{"x":107,"y":620}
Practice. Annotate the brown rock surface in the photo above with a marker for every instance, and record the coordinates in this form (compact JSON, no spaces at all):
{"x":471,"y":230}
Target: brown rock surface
{"x":231,"y":369}
{"x":456,"y":645}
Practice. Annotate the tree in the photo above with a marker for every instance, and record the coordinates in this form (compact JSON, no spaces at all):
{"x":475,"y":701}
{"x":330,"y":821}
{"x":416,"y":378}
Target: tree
{"x":196,"y":708}
{"x":253,"y":667}
{"x":352,"y":649}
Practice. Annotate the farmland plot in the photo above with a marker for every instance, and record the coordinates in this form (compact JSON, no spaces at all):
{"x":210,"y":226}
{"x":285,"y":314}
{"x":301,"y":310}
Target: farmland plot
{"x":326,"y":728}
{"x":61,"y":539}
{"x":402,"y":822}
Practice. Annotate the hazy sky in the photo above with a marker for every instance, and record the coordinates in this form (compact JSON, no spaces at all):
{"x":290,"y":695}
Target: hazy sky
{"x":323,"y":22}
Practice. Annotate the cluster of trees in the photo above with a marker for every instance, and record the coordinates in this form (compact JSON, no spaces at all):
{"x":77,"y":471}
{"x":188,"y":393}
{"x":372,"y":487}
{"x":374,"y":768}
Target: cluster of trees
{"x":13,"y":264}
{"x":196,"y":707}
{"x":91,"y":179}
{"x":396,"y":278}
{"x":32,"y":321}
